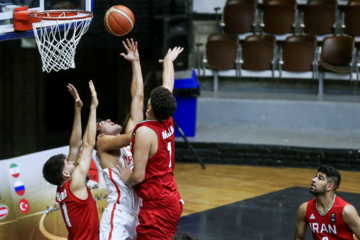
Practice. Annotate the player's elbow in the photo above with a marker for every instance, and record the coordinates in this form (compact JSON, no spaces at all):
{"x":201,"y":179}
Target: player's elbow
{"x":88,"y":144}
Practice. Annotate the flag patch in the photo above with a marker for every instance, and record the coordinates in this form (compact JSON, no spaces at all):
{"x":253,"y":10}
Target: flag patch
{"x":14,"y":170}
{"x":19,"y":188}
{"x":24,"y":206}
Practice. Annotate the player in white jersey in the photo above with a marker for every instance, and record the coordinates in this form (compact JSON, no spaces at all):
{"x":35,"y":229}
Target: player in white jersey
{"x":123,"y":204}
{"x":120,"y":218}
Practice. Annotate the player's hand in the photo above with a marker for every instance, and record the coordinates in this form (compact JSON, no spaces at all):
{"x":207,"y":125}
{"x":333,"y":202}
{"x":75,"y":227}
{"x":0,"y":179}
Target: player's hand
{"x":94,"y":100}
{"x":172,"y":54}
{"x":75,"y":94}
{"x":131,"y":49}
{"x":123,"y":171}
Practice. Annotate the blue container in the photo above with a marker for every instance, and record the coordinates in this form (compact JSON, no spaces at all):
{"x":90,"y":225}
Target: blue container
{"x":186,"y":91}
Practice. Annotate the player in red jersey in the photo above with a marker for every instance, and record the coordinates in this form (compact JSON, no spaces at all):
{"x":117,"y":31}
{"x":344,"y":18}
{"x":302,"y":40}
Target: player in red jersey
{"x":78,"y":207}
{"x":328,"y":216}
{"x":153,"y":145}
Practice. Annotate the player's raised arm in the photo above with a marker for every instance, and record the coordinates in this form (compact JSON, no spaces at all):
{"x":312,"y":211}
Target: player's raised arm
{"x":78,"y":180}
{"x":137,"y":86}
{"x":75,"y":141}
{"x":168,"y":67}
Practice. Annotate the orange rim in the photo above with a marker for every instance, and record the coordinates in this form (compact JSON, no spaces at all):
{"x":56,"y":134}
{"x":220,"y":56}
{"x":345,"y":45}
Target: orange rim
{"x":64,"y":15}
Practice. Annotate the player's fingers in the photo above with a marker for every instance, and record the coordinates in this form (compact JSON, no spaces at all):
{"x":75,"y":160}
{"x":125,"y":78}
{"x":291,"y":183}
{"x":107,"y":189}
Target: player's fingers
{"x":116,"y":164}
{"x":124,"y":44}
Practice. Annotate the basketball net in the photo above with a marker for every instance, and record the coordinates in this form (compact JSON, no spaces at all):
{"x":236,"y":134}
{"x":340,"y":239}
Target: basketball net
{"x":57,"y":41}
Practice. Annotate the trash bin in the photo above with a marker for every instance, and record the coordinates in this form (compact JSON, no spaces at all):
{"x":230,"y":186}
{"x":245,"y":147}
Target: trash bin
{"x":186,"y":91}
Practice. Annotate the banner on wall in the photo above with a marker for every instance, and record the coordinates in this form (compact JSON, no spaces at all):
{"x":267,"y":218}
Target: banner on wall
{"x":28,"y":209}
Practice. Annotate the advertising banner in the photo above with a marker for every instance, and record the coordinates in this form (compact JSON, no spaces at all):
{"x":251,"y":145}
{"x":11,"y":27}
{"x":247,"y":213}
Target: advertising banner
{"x":28,"y":209}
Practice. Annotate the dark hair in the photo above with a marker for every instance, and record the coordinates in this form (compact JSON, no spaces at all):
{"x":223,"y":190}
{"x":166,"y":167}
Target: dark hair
{"x":332,"y":175}
{"x":52,"y":169}
{"x":163,"y":103}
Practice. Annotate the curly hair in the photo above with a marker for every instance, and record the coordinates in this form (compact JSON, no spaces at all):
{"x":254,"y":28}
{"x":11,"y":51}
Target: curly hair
{"x":332,"y":175}
{"x":52,"y":169}
{"x":163,"y":103}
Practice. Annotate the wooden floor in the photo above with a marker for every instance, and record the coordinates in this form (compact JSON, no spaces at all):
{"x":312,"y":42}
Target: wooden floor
{"x":220,"y":185}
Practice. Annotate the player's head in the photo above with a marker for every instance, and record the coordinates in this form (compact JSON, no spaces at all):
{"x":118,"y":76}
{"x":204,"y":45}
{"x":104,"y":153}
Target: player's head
{"x":162,"y":103}
{"x":326,"y":179}
{"x":58,"y":169}
{"x":332,"y":175}
{"x":107,"y":127}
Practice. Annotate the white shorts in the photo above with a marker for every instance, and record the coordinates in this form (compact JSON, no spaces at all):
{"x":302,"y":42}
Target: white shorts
{"x":118,"y":222}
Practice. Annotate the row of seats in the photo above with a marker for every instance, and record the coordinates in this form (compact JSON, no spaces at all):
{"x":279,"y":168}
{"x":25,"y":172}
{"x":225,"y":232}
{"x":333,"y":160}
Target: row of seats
{"x":316,"y":17}
{"x":297,"y":56}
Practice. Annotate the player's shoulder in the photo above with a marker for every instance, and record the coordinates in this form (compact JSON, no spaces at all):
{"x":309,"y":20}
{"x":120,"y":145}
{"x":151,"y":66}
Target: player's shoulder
{"x":302,"y":210}
{"x":304,"y":205}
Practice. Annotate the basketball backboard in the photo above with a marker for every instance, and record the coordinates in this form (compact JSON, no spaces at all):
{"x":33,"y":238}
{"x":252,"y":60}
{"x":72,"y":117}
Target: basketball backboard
{"x":7,"y":7}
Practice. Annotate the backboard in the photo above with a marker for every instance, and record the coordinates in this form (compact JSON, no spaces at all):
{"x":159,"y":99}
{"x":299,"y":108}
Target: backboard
{"x":7,"y":7}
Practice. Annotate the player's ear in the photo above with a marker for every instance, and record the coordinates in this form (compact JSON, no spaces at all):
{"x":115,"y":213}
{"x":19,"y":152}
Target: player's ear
{"x":330,"y":186}
{"x":149,"y":109}
{"x":65,"y":174}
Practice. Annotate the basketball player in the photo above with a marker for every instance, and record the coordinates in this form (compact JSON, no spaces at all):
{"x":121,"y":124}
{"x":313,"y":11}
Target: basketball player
{"x":76,"y":202}
{"x":152,"y":146}
{"x":120,"y":218}
{"x":329,"y":216}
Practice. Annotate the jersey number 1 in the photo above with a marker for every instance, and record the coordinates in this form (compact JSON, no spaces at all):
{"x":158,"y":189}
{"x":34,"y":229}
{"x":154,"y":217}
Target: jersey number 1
{"x":169,"y":150}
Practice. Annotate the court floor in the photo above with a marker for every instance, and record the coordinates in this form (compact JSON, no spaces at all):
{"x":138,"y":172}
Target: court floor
{"x":248,"y":202}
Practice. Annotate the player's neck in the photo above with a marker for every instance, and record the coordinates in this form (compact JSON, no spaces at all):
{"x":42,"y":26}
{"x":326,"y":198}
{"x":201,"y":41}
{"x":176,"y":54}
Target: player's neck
{"x":325,"y":202}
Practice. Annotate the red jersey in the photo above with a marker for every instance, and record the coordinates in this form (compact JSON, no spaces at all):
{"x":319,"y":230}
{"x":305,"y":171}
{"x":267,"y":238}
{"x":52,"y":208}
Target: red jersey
{"x":159,"y":182}
{"x":330,"y":225}
{"x":80,"y":216}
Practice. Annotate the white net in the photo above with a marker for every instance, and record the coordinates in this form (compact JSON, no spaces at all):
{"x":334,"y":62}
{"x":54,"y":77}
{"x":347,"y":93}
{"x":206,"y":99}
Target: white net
{"x":57,"y":41}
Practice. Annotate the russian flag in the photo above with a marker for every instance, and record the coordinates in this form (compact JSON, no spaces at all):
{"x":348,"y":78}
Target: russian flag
{"x":19,"y":188}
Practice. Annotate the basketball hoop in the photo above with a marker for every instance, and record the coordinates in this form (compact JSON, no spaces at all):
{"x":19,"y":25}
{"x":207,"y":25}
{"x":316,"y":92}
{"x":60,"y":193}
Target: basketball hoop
{"x":56,"y":43}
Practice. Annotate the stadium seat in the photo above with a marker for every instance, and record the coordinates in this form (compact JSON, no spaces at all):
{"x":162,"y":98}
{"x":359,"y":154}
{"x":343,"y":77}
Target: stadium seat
{"x":221,"y":54}
{"x":240,"y":17}
{"x":337,"y":56}
{"x":298,"y":57}
{"x":258,"y":56}
{"x":319,"y":18}
{"x":351,"y":19}
{"x":279,"y":18}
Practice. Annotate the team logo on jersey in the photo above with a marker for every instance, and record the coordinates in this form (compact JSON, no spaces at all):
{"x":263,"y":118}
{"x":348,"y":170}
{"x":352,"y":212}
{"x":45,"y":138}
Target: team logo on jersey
{"x":19,"y":188}
{"x":333,"y":217}
{"x":24,"y":206}
{"x":14,"y":170}
{"x":312,"y":216}
{"x":4,"y":211}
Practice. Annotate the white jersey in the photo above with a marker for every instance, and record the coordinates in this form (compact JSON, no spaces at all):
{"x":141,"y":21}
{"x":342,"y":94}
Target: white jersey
{"x":119,"y":219}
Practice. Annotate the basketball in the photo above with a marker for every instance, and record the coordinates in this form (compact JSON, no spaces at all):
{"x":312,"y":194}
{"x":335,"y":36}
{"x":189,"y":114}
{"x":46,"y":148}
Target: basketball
{"x":119,"y":20}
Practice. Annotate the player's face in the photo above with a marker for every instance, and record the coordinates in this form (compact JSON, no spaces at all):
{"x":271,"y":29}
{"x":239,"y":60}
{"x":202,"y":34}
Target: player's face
{"x":319,"y":183}
{"x":107,"y":127}
{"x":69,"y":166}
{"x":148,"y":109}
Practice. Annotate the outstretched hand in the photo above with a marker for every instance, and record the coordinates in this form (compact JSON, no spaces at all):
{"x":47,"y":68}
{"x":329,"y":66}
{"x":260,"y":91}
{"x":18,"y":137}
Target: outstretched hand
{"x":132,"y":50}
{"x":94,"y":100}
{"x":123,"y":171}
{"x":75,"y":94}
{"x":172,"y":54}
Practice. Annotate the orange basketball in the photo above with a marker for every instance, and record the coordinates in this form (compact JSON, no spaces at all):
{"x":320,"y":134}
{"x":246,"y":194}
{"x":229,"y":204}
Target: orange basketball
{"x":119,"y":20}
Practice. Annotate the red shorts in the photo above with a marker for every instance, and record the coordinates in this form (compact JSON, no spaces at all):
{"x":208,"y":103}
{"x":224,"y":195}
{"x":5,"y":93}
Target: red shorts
{"x":159,"y":222}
